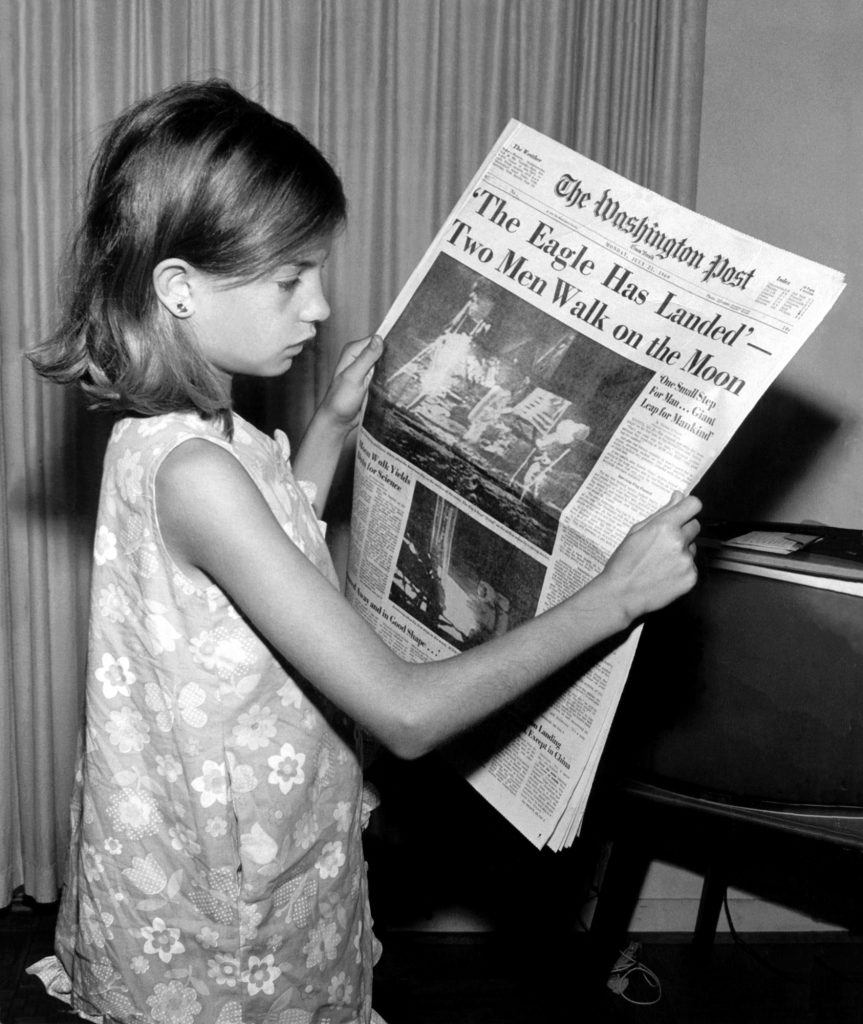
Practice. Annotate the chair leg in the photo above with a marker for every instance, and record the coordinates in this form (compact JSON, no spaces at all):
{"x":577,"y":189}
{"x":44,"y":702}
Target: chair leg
{"x":621,"y":884}
{"x":712,"y":896}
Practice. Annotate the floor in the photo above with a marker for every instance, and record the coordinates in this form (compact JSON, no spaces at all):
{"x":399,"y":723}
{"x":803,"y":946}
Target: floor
{"x":474,"y":979}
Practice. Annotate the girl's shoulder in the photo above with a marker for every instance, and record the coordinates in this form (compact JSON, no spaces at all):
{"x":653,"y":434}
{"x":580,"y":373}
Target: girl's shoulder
{"x":154,"y":431}
{"x":138,"y":445}
{"x":143,"y":443}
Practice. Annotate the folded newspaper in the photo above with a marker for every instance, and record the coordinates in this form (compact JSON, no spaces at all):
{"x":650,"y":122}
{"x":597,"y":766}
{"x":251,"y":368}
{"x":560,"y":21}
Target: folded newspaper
{"x":570,"y":350}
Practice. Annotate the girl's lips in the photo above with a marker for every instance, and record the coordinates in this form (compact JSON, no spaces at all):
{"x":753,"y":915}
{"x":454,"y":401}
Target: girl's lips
{"x":298,"y":346}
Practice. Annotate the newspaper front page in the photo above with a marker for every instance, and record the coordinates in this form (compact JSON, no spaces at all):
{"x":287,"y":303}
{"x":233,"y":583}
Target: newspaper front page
{"x":570,"y":350}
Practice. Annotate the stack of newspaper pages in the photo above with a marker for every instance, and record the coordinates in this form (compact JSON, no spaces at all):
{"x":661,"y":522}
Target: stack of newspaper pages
{"x":570,"y":350}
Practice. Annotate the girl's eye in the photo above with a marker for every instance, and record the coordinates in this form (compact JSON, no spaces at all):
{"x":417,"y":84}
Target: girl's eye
{"x":288,"y":286}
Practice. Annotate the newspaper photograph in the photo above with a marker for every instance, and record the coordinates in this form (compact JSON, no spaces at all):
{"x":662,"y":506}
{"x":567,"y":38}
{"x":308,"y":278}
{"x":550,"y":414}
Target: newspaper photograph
{"x":570,"y":350}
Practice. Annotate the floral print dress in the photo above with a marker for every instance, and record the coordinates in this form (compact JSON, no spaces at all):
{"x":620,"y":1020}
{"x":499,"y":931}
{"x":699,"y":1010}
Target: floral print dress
{"x":216,"y":873}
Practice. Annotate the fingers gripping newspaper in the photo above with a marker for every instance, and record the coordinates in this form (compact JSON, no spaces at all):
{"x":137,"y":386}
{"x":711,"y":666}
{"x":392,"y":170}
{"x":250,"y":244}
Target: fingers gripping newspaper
{"x":570,"y":350}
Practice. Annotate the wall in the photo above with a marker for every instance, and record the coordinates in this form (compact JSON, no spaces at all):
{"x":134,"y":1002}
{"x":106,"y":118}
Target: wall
{"x":782,"y":159}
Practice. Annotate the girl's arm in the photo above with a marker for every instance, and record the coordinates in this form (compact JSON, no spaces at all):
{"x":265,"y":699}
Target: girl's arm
{"x":215,"y":521}
{"x":338,"y":414}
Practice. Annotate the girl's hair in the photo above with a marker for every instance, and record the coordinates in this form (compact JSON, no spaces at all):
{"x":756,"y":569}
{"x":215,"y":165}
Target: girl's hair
{"x":197,"y":172}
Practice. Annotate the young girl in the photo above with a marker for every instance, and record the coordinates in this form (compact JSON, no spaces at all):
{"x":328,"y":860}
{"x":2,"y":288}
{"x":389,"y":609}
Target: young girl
{"x":216,"y":872}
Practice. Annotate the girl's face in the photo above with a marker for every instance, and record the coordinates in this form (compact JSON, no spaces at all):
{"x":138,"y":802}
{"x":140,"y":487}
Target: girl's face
{"x":259,"y":327}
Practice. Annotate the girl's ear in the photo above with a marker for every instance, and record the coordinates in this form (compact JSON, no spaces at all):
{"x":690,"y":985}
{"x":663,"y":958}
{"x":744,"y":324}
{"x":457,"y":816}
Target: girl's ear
{"x":171,"y":281}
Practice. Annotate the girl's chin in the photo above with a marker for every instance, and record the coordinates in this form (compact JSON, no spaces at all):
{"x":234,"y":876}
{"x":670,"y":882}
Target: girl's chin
{"x":277,"y":368}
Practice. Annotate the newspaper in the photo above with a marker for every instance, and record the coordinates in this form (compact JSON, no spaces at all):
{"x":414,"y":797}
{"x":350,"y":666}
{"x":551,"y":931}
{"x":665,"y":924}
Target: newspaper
{"x":570,"y":350}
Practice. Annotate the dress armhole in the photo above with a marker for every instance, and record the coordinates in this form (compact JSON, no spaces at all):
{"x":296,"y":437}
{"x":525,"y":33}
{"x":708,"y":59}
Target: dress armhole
{"x":212,"y":592}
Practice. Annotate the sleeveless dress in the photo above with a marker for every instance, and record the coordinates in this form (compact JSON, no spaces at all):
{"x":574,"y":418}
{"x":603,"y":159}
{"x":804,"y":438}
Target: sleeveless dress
{"x":216,"y":873}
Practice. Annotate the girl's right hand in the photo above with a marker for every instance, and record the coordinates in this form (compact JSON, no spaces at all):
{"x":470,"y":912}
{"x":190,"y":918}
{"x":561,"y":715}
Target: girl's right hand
{"x":344,"y":398}
{"x":655,"y":562}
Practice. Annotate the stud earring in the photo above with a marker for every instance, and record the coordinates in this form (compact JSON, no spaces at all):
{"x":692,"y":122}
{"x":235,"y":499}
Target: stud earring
{"x":182,"y":308}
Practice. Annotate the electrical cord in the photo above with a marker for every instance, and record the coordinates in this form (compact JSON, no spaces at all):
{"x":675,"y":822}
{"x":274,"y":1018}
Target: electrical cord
{"x":628,"y":968}
{"x":844,"y":975}
{"x":751,"y":952}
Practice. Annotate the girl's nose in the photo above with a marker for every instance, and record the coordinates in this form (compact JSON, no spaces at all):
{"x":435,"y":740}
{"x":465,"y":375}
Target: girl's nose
{"x":317,"y":308}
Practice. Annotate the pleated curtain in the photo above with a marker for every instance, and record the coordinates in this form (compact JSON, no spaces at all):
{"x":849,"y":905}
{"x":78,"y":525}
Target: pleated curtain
{"x":405,"y":97}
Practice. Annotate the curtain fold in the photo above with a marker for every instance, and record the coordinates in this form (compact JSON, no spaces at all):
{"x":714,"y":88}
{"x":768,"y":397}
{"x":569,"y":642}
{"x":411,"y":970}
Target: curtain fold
{"x":405,"y":97}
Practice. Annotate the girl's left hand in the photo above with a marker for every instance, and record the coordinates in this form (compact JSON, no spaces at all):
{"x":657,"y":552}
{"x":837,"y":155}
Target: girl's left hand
{"x":351,"y":379}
